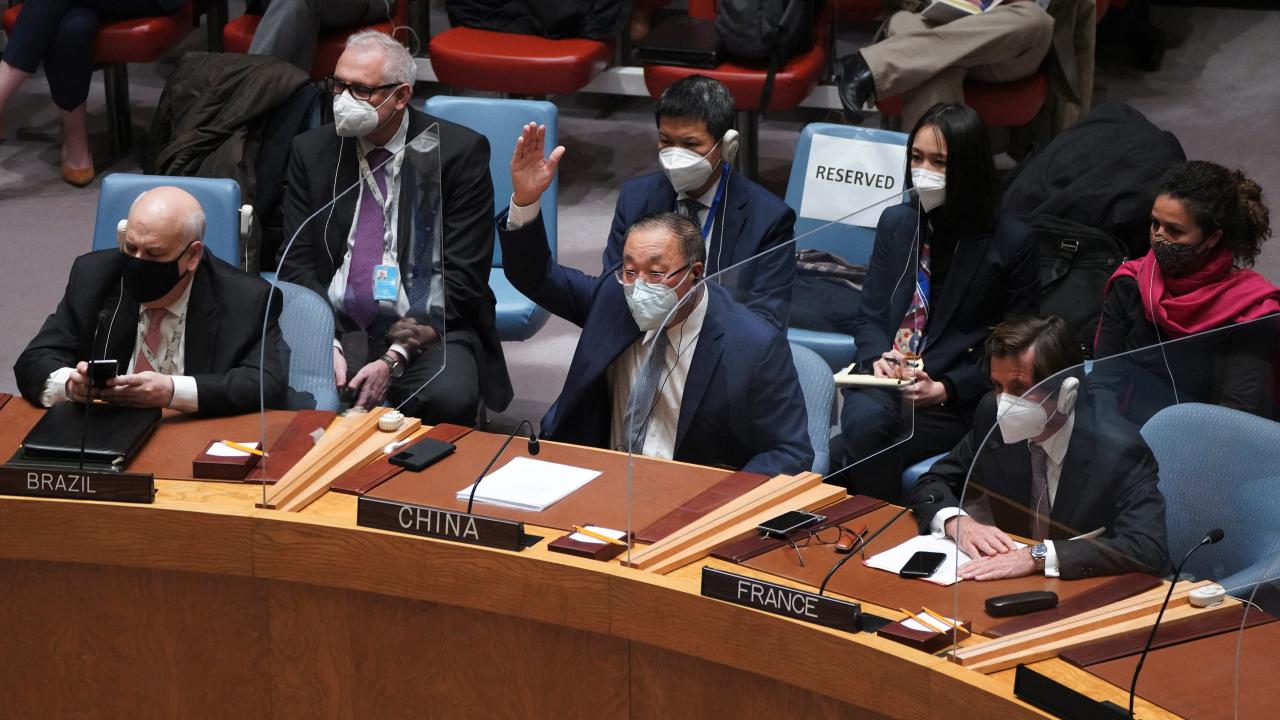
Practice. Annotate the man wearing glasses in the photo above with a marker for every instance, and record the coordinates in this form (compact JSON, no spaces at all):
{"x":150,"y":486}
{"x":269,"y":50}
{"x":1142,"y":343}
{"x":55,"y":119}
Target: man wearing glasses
{"x":367,"y":242}
{"x":666,"y":366}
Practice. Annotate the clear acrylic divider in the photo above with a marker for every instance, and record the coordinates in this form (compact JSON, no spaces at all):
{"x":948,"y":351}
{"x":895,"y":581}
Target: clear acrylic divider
{"x":1161,"y":447}
{"x":422,"y":300}
{"x":1254,"y":691}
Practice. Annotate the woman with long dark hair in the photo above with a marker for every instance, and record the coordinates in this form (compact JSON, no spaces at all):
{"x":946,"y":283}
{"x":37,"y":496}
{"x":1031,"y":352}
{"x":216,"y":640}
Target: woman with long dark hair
{"x":945,"y":269}
{"x":1208,"y":225}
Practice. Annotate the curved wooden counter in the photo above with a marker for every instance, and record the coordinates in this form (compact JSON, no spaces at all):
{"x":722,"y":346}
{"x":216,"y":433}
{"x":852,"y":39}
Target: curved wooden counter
{"x":203,"y":606}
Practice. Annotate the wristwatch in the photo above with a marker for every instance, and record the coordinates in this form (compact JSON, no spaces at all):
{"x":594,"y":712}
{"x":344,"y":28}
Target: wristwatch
{"x":394,"y":362}
{"x":1039,"y":553}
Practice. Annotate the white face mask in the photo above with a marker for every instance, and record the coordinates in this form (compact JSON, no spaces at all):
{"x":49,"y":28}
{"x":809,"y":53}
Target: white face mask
{"x":1020,"y":418}
{"x":931,"y":188}
{"x":650,"y":303}
{"x":355,"y":118}
{"x":686,"y":169}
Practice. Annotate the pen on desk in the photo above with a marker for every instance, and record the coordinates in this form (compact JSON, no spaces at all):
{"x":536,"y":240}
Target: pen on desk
{"x":944,"y":621}
{"x":597,"y":536}
{"x":244,"y":448}
{"x":921,"y":620}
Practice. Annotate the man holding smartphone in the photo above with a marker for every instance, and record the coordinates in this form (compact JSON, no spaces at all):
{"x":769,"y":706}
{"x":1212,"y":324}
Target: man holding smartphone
{"x":183,"y":328}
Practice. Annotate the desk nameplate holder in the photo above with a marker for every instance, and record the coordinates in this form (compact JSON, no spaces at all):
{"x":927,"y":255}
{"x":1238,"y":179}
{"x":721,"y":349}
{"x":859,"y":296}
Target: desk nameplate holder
{"x":441,"y":524}
{"x":1059,"y":700}
{"x":71,"y":483}
{"x":782,"y":600}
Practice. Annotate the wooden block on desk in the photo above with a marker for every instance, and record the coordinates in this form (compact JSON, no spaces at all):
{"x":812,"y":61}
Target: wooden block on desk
{"x":352,"y":455}
{"x":922,"y":640}
{"x":294,"y":443}
{"x":590,"y":550}
{"x":222,"y":467}
{"x":365,"y":478}
{"x":714,"y":497}
{"x":751,"y":543}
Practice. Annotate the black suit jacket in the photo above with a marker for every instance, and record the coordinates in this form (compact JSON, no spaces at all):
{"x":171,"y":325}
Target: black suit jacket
{"x":321,"y":161}
{"x":992,"y":276}
{"x":223,"y":335}
{"x":754,"y":221}
{"x":1109,"y":480}
{"x":742,"y":405}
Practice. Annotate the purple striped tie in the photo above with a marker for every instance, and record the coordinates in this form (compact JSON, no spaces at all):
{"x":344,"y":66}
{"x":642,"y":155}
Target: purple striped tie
{"x":368,"y":248}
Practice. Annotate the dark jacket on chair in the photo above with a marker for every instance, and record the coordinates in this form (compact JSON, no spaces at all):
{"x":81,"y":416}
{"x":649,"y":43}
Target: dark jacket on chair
{"x":223,"y":338}
{"x":742,"y":406}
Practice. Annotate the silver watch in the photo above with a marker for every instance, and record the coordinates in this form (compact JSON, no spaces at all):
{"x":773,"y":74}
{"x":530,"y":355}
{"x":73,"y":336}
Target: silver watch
{"x":1039,"y":553}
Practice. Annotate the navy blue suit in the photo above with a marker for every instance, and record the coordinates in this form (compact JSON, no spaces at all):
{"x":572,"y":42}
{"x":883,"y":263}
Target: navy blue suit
{"x":742,"y":406}
{"x":754,"y":221}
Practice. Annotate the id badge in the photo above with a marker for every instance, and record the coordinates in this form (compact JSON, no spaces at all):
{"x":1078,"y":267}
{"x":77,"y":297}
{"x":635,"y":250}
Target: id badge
{"x":386,"y":282}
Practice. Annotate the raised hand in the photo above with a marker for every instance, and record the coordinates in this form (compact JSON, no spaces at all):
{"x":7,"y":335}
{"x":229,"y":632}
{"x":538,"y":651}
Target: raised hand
{"x":531,"y":173}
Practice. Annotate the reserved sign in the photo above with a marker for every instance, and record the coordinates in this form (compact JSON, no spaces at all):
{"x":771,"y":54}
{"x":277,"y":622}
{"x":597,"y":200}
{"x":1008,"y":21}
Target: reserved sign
{"x":847,"y":174}
{"x":781,"y":600}
{"x":74,"y":484}
{"x":439,"y":523}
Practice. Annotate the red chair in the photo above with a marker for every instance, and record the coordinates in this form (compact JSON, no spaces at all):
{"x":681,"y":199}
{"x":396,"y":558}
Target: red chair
{"x":118,"y":43}
{"x":516,"y":64}
{"x":791,"y":84}
{"x":999,"y":104}
{"x":848,"y":12}
{"x":237,"y":35}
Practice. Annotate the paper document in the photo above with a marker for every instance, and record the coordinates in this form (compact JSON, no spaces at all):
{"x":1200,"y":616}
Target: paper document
{"x":931,"y":624}
{"x":220,"y":450}
{"x":848,"y":378}
{"x":528,"y":484}
{"x":579,"y":537}
{"x":893,"y":559}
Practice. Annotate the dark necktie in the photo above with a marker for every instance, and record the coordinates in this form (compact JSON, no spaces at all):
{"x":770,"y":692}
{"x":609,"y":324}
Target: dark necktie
{"x":1040,"y":505}
{"x":644,"y":391}
{"x":691,"y":209}
{"x":369,"y":246}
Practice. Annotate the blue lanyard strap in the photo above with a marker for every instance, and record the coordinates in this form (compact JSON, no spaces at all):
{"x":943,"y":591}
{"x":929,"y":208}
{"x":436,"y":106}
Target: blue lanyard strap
{"x":715,"y":203}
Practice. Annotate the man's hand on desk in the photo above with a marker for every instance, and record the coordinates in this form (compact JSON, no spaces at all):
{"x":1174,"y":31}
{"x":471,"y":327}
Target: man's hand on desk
{"x":531,"y":173}
{"x":977,"y":540}
{"x":142,"y":390}
{"x":77,"y":385}
{"x":997,"y":567}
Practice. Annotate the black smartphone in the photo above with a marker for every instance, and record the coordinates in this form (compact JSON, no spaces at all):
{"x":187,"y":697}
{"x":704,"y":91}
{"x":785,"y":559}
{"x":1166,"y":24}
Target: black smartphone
{"x":922,"y":564}
{"x":789,"y":522}
{"x":421,"y":454}
{"x":100,"y":371}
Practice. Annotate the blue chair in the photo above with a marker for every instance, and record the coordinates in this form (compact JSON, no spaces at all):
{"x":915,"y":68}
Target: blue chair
{"x":1220,"y":468}
{"x":819,"y":400}
{"x":849,"y":242}
{"x":306,"y":321}
{"x":519,"y":318}
{"x":219,"y":198}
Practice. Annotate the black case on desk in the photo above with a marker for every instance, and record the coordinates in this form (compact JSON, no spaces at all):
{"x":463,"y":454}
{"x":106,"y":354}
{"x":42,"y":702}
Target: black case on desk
{"x":682,"y":41}
{"x":113,"y":433}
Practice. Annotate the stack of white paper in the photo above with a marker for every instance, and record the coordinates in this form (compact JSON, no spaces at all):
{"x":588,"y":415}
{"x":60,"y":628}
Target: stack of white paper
{"x":528,"y":484}
{"x":892,"y":560}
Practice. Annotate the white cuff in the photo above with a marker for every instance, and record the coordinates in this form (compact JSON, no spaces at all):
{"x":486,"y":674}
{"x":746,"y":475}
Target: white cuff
{"x":398,"y":348}
{"x":338,"y":346}
{"x":184,"y":394}
{"x":55,"y":387}
{"x":1050,"y":560}
{"x":938,"y":525}
{"x":520,"y":215}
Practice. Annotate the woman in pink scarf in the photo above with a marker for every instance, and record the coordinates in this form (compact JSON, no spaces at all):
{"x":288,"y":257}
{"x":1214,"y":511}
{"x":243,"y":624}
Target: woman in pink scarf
{"x":1208,"y":225}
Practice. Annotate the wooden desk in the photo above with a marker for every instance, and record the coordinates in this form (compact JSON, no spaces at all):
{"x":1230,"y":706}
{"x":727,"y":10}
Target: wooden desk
{"x":203,"y":606}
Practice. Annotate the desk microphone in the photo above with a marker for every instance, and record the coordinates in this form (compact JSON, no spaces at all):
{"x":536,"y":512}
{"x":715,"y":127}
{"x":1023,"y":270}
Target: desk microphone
{"x":93,"y":350}
{"x":533,"y":450}
{"x":822,"y":589}
{"x":1210,"y":538}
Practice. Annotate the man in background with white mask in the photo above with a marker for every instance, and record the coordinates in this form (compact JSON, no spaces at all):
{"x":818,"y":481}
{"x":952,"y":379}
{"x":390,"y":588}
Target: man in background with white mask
{"x":400,"y":295}
{"x":1049,"y":465}
{"x":738,"y":218}
{"x":666,"y":365}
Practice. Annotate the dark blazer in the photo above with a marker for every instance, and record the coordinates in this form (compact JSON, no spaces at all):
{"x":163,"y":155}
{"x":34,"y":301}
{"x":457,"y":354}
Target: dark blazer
{"x":992,"y":276}
{"x":742,"y":406}
{"x":223,"y":335}
{"x":321,"y":161}
{"x":754,"y":221}
{"x":1108,"y":479}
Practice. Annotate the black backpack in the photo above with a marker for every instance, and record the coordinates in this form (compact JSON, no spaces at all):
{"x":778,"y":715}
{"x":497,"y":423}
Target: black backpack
{"x":770,"y":31}
{"x":1075,"y":263}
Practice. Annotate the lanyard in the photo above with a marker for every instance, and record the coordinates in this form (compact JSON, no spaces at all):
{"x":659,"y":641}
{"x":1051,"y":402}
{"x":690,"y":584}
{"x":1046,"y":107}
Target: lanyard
{"x":715,"y":203}
{"x":383,"y":202}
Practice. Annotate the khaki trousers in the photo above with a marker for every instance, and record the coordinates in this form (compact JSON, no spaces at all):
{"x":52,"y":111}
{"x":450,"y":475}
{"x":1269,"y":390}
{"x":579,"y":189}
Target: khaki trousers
{"x":928,"y":64}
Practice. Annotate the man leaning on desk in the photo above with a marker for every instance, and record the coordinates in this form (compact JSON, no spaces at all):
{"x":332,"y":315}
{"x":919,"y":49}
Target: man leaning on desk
{"x":1056,"y":466}
{"x":719,"y":387}
{"x":184,"y":326}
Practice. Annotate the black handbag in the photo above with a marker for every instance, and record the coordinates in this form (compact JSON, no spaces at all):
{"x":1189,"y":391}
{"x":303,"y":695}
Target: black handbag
{"x":1075,"y":264}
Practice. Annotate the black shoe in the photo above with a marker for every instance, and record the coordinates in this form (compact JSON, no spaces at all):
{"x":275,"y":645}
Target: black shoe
{"x":857,"y":86}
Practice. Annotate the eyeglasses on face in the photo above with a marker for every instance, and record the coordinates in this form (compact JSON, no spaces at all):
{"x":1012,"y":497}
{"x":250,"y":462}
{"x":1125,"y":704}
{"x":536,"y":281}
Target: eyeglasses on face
{"x":626,"y":277}
{"x":358,"y":91}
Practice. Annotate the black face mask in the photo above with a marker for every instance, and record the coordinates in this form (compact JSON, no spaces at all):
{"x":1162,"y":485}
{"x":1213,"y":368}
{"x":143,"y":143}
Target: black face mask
{"x":1177,"y":260}
{"x":149,"y":280}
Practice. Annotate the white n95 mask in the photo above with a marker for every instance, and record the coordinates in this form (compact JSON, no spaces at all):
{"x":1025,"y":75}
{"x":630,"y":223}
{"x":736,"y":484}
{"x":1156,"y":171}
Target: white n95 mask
{"x":355,"y":118}
{"x":931,"y":188}
{"x":650,"y":303}
{"x":686,"y":169}
{"x":1019,"y":418}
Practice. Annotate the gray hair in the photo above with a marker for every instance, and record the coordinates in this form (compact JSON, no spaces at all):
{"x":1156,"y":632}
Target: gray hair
{"x":398,"y":67}
{"x":193,"y":224}
{"x":686,"y":233}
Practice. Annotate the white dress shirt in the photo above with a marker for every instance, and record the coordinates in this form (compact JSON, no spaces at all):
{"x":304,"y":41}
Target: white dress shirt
{"x":171,"y":352}
{"x":1055,"y":449}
